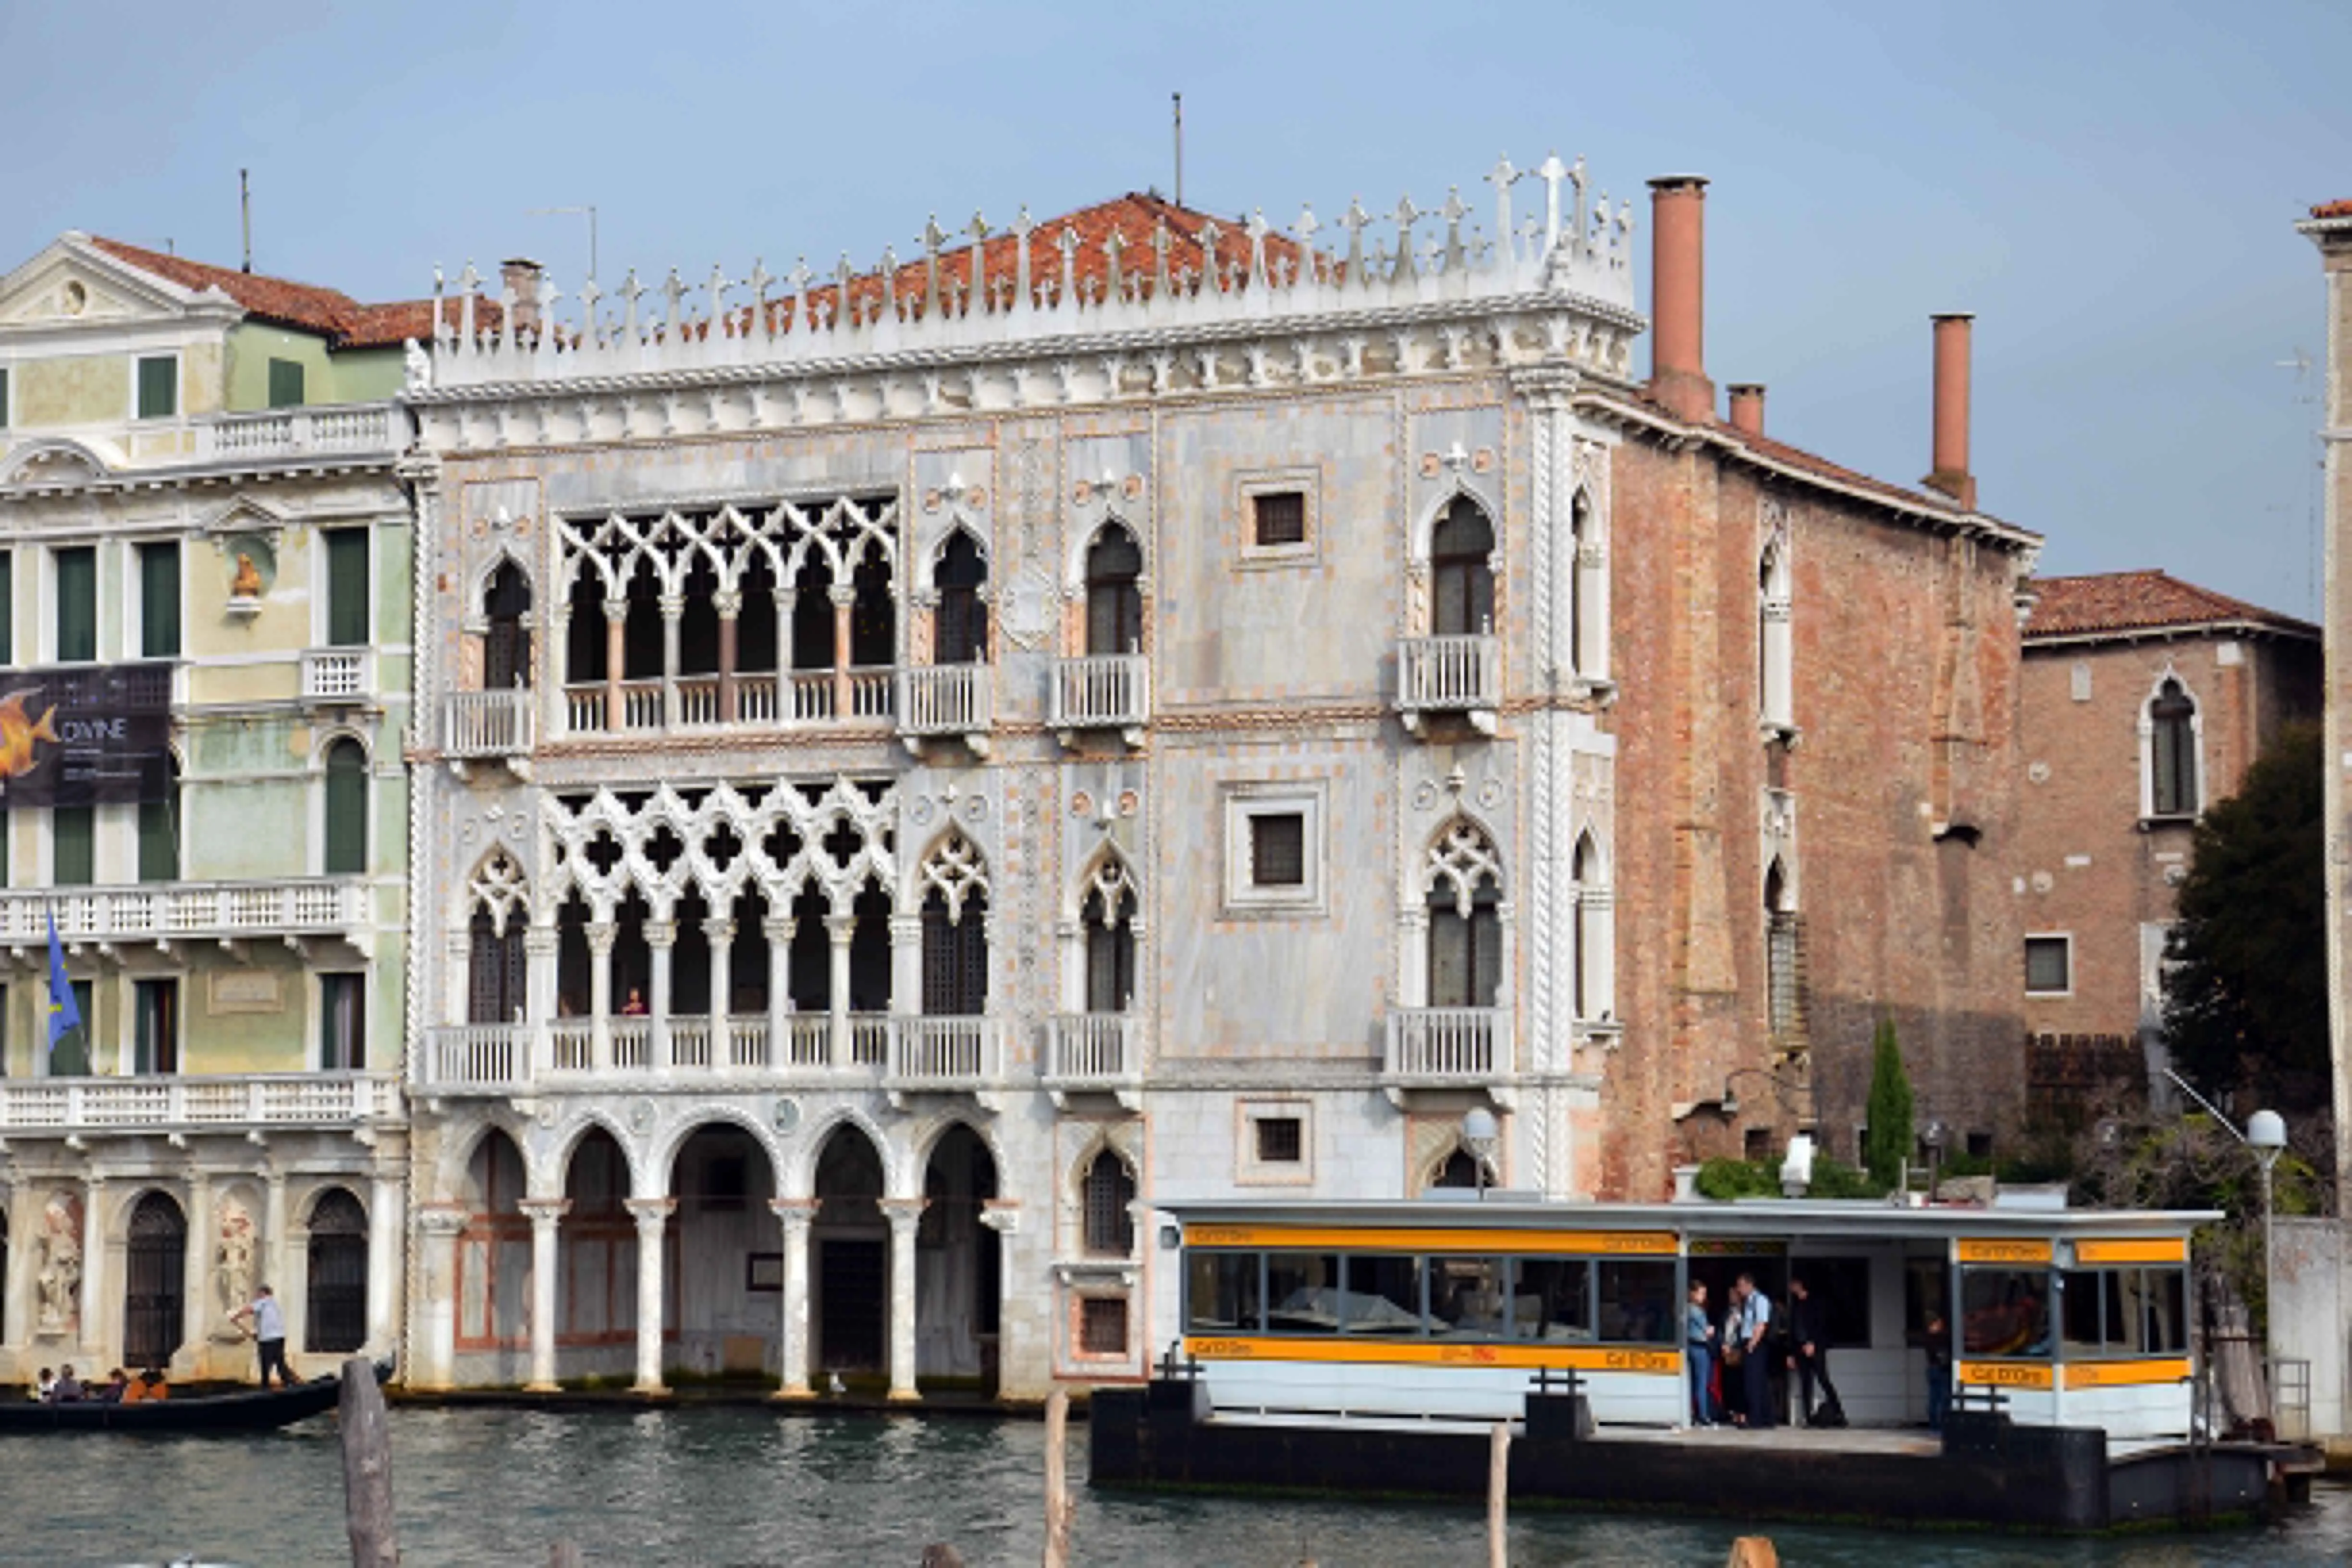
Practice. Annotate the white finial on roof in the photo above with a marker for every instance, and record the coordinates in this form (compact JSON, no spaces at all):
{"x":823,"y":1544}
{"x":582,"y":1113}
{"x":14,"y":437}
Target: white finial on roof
{"x":1503,"y":177}
{"x":1453,"y":212}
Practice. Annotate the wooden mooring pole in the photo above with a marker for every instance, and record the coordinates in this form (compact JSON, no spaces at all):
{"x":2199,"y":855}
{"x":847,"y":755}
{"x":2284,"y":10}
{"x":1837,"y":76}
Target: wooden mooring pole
{"x":1498,"y":1495}
{"x":1057,"y":1480}
{"x":367,"y":1468}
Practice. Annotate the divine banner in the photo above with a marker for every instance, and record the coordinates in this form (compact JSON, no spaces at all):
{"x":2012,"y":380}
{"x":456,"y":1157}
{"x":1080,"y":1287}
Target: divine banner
{"x":85,"y":735}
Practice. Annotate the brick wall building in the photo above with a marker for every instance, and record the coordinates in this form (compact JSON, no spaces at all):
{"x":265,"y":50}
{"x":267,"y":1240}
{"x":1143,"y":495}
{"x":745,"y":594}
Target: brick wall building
{"x":2144,"y":699}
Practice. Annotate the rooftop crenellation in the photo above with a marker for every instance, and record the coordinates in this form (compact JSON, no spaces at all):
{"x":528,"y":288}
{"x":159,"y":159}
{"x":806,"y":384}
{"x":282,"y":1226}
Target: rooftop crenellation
{"x":1133,"y":266}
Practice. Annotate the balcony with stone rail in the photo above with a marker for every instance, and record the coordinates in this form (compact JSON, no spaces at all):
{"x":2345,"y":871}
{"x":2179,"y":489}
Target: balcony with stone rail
{"x":1461,"y":675}
{"x":1094,"y":1052}
{"x":174,"y":1105}
{"x":1100,"y":691}
{"x":166,"y":913}
{"x":1447,"y":1049}
{"x":691,"y":704}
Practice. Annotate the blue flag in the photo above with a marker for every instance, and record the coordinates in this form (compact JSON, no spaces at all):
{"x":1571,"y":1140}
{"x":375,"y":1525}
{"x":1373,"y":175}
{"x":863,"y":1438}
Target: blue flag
{"x":65,"y":1018}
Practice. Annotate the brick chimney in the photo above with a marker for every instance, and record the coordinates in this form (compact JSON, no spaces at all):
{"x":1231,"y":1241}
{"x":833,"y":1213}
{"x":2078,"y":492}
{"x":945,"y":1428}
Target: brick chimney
{"x":1949,"y":468}
{"x":1747,"y":407}
{"x":520,"y":276}
{"x":1678,"y":297}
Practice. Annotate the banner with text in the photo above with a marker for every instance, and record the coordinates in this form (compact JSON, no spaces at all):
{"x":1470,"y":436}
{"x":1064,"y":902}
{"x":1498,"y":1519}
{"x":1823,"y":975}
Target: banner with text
{"x":85,"y":735}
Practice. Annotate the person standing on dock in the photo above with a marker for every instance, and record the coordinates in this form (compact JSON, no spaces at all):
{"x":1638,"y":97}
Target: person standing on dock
{"x":269,"y":1320}
{"x":1755,"y":1357}
{"x":1808,"y":1356}
{"x":1698,"y":1350}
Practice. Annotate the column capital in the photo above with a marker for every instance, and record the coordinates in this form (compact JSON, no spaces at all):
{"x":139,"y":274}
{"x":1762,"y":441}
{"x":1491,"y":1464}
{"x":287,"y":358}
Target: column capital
{"x":540,"y":942}
{"x":602,"y":935}
{"x":661,"y":933}
{"x":545,"y":1211}
{"x":672,"y":606}
{"x":780,"y":932}
{"x":843,"y":594}
{"x":841,"y":928}
{"x":906,"y":930}
{"x":440,"y":1219}
{"x":797,"y":1213}
{"x":902,"y":1213}
{"x":1002,"y":1216}
{"x":728,"y":605}
{"x":617,"y":610}
{"x":651,"y":1214}
{"x":719,"y":930}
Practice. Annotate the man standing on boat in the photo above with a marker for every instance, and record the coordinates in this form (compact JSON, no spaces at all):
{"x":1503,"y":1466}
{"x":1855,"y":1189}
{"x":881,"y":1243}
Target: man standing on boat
{"x":269,"y":1333}
{"x":1756,"y":1359}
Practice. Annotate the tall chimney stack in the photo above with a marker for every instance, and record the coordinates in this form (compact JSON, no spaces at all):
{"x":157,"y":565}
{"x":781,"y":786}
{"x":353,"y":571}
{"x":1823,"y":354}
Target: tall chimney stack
{"x":1747,"y":407}
{"x":1678,"y":297}
{"x":1948,"y":468}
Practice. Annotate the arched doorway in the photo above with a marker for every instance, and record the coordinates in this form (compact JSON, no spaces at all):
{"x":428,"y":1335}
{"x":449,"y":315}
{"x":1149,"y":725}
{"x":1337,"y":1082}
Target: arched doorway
{"x":720,"y":1309}
{"x":958,"y":1267}
{"x":335,"y":1320}
{"x":850,"y":1263}
{"x":596,"y":1263}
{"x":494,"y":1262}
{"x":154,"y":1281}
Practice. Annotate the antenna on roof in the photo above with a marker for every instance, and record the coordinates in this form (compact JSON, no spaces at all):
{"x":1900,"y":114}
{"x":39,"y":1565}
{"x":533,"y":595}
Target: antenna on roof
{"x":575,"y":212}
{"x":245,"y":214}
{"x":1179,"y":147}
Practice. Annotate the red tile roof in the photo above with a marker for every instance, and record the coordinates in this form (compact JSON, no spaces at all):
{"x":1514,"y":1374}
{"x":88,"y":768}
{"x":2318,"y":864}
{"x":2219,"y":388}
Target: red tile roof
{"x":303,"y":305}
{"x":2333,"y":209}
{"x":2141,"y":600}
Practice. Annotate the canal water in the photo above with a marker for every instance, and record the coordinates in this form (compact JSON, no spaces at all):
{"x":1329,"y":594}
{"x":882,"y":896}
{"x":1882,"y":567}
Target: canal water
{"x":727,"y":1486}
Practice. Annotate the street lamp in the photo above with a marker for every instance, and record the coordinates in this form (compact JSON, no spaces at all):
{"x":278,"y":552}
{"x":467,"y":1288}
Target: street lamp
{"x":1935,"y":1135}
{"x":2266,"y":1137}
{"x":1480,"y":1133}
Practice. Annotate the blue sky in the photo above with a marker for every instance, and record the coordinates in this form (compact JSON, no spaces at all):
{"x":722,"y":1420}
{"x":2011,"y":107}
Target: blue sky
{"x":2110,"y":188}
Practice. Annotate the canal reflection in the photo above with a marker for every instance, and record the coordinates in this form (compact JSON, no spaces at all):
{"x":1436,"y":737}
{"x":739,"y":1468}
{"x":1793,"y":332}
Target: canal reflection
{"x":741,"y":1486}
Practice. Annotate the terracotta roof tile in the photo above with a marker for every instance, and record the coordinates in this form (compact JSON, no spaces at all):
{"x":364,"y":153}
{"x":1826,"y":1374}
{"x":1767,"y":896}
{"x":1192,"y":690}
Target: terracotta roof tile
{"x":2139,"y":601}
{"x":389,"y":326}
{"x":331,"y":314}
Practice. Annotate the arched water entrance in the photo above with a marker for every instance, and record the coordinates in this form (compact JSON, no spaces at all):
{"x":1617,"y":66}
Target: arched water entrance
{"x":335,"y":1316}
{"x":494,"y":1261}
{"x":721,"y":1265}
{"x":596,"y":1263}
{"x":849,"y":1246}
{"x":154,"y":1282}
{"x":958,"y":1268}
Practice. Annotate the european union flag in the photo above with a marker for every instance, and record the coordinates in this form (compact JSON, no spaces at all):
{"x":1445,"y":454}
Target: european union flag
{"x":65,"y":1017}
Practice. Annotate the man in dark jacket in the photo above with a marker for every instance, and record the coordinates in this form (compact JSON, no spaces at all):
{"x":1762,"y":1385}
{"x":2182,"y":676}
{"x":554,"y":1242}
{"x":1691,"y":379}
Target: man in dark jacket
{"x":1808,"y":1356}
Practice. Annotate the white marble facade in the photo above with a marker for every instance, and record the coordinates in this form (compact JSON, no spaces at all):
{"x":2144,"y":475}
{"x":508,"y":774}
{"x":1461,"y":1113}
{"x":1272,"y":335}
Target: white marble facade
{"x":909,"y":773}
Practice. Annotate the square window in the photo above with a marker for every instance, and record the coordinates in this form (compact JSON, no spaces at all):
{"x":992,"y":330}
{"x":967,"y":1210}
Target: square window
{"x":285,"y":384}
{"x":1102,"y":1325}
{"x":1278,"y":518}
{"x":2049,"y":965}
{"x":1274,"y":854}
{"x":1279,"y":1140}
{"x":159,"y":386}
{"x":1980,"y":1145}
{"x":1278,"y":849}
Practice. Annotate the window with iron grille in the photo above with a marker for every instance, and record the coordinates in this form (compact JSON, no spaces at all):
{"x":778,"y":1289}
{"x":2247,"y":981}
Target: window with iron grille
{"x":955,"y":957}
{"x":2049,"y":965}
{"x":336,"y":1320}
{"x":1102,"y":1325}
{"x":1278,"y":849}
{"x":1784,"y":968}
{"x":1109,"y":1222}
{"x":1278,"y":1141}
{"x":1278,"y":518}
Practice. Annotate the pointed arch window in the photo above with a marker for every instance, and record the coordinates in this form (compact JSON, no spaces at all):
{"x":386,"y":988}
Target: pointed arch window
{"x":346,"y":809}
{"x":2172,"y":751}
{"x":955,"y":929}
{"x":1465,"y":928}
{"x":1462,"y":572}
{"x":505,"y":644}
{"x":1114,"y":593}
{"x":959,"y":636}
{"x":1109,"y":1189}
{"x":1108,"y":915}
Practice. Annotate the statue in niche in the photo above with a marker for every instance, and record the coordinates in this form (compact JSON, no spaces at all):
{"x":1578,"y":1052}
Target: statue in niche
{"x":246,"y":584}
{"x":232,"y":1257}
{"x":58,"y":1268}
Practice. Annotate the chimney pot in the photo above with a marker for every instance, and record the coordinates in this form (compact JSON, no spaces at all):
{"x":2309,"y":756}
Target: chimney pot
{"x":520,"y":275}
{"x":1747,"y":407}
{"x":1678,"y":297}
{"x":1947,"y":469}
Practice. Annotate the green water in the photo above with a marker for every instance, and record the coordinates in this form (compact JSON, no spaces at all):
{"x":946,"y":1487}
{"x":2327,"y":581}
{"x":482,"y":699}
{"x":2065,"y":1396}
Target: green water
{"x":742,"y":1487}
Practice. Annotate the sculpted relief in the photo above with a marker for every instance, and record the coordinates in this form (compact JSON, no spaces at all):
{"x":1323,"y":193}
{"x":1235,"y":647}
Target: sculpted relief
{"x":57,"y":1266}
{"x":233,"y":1252}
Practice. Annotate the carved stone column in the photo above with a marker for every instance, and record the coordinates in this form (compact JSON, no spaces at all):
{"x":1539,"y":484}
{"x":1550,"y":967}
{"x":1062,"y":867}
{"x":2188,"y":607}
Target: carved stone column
{"x":840,"y":929}
{"x":386,"y":1224}
{"x":729,"y":606}
{"x":94,"y":1310}
{"x":661,"y":938}
{"x":844,"y":598}
{"x":780,"y":989}
{"x":273,"y":1235}
{"x":539,"y":946}
{"x":196,"y":1287}
{"x":906,"y":964}
{"x":616,"y":660}
{"x":546,"y":1216}
{"x":796,"y":1215}
{"x":904,"y":1215}
{"x":437,"y":1305}
{"x":652,"y":1216}
{"x":721,"y":936}
{"x":673,"y":611}
{"x":602,"y":935}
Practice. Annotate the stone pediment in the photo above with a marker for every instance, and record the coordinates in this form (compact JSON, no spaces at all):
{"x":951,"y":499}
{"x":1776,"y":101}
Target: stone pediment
{"x":72,"y":283}
{"x":59,"y":462}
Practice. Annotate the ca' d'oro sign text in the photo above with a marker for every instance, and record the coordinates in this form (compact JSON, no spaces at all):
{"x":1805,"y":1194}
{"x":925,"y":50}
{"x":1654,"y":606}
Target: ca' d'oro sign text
{"x":85,"y":735}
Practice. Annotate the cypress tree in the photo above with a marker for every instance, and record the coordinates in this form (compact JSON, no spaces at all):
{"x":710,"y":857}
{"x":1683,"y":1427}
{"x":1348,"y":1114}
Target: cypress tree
{"x":1888,"y":1140}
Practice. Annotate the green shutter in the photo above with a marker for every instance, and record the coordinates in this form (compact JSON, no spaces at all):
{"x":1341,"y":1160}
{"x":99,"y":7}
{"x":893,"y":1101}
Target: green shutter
{"x":159,"y":838}
{"x":347,"y":803}
{"x":159,"y":600}
{"x":76,"y":603}
{"x":74,"y":847}
{"x":159,"y":387}
{"x":7,"y":847}
{"x":8,"y":607}
{"x":346,"y":587}
{"x":285,"y":384}
{"x":4,"y":397}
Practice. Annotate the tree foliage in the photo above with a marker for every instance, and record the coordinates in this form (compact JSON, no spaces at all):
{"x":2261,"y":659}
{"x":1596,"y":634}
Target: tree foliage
{"x":1887,"y":1137}
{"x":2246,"y":1003}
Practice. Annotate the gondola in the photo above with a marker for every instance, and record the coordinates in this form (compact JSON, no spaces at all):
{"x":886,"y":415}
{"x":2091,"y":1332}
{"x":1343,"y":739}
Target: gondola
{"x":257,"y":1410}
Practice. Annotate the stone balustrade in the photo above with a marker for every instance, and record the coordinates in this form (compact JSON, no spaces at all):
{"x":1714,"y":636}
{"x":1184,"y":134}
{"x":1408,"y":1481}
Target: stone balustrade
{"x":338,"y":674}
{"x":194,"y":911}
{"x":943,"y":700}
{"x":1444,"y":1046}
{"x":1101,"y":691}
{"x":1449,"y":674}
{"x":226,"y":1102}
{"x":765,"y":699}
{"x":905,"y":1052}
{"x":487,"y":723}
{"x":358,"y":430}
{"x":1098,"y":1053}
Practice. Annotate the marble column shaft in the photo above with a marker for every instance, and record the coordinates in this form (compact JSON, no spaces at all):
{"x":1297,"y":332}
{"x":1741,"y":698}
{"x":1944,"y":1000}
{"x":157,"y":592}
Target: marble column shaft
{"x":652,"y":1216}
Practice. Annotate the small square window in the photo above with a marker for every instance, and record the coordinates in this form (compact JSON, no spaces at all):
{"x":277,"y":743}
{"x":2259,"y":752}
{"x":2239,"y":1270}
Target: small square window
{"x":1278,"y":849}
{"x":1756,"y":1144}
{"x":2049,"y":965}
{"x":285,"y":384}
{"x":1102,"y":1325}
{"x":1278,"y":518}
{"x":1279,"y":1140}
{"x":159,"y":387}
{"x":1980,"y":1145}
